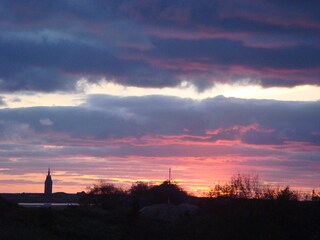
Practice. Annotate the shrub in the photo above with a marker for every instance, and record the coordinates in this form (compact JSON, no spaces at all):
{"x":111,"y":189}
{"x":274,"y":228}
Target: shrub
{"x":105,"y":195}
{"x":287,"y":195}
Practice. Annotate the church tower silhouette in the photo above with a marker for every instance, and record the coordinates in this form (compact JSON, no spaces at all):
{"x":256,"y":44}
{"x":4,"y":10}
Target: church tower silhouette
{"x":48,"y":184}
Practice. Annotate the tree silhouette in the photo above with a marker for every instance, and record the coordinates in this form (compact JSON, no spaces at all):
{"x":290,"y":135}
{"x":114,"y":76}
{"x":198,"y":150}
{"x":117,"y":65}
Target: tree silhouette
{"x":167,"y":192}
{"x":105,"y":195}
{"x":287,"y":195}
{"x":240,"y":186}
{"x":139,"y":189}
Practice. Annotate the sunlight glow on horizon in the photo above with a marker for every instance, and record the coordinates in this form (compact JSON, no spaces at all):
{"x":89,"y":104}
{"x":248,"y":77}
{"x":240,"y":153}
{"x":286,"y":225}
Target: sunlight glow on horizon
{"x":299,"y":93}
{"x":185,"y":90}
{"x":199,"y":184}
{"x":194,"y":189}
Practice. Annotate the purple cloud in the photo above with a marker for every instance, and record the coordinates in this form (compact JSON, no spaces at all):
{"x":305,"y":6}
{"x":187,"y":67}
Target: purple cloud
{"x":109,"y":117}
{"x":157,"y":43}
{"x":132,"y":138}
{"x":2,"y":101}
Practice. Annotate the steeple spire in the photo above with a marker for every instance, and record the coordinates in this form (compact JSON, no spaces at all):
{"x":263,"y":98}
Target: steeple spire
{"x":48,"y":184}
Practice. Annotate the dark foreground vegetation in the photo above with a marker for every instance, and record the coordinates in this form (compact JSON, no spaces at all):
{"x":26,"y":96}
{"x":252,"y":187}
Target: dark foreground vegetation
{"x":216,"y":219}
{"x":110,"y":213}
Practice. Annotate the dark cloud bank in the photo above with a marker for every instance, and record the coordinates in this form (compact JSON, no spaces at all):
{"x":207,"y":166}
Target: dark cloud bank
{"x":49,"y":45}
{"x":258,"y":122}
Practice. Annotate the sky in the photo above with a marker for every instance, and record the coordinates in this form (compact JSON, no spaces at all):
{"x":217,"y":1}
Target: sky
{"x":124,"y":90}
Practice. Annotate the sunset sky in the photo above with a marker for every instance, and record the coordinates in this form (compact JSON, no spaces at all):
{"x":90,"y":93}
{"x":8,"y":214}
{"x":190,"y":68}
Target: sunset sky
{"x":124,"y":90}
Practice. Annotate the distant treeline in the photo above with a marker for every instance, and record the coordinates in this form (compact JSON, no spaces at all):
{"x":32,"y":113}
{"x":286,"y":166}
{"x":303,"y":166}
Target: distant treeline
{"x":141,"y":194}
{"x":246,"y":186}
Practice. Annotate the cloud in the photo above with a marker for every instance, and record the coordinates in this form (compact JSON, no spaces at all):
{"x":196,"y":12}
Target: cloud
{"x":16,"y":99}
{"x":2,"y":101}
{"x":46,"y":122}
{"x":58,"y":66}
{"x":125,"y":139}
{"x":157,"y":44}
{"x":108,"y":117}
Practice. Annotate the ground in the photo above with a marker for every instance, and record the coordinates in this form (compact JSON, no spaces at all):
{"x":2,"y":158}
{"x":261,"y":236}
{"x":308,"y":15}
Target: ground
{"x":216,"y":219}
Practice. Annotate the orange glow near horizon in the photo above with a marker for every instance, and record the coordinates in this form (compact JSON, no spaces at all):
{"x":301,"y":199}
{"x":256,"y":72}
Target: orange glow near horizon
{"x":198,"y":163}
{"x":197,"y":180}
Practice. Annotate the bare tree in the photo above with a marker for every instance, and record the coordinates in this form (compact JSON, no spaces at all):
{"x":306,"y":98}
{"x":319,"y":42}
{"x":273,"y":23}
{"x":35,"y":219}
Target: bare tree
{"x":240,"y":186}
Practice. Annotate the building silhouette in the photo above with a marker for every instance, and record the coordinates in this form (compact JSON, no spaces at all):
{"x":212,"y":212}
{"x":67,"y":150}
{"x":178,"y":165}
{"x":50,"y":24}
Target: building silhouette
{"x":48,"y":184}
{"x":47,"y":197}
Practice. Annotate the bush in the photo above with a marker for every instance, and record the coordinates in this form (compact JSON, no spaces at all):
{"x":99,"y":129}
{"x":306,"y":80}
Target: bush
{"x":287,"y":195}
{"x":105,"y":195}
{"x":167,"y":192}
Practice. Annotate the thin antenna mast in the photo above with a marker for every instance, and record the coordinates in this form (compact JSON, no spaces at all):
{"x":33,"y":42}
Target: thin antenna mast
{"x":168,"y":188}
